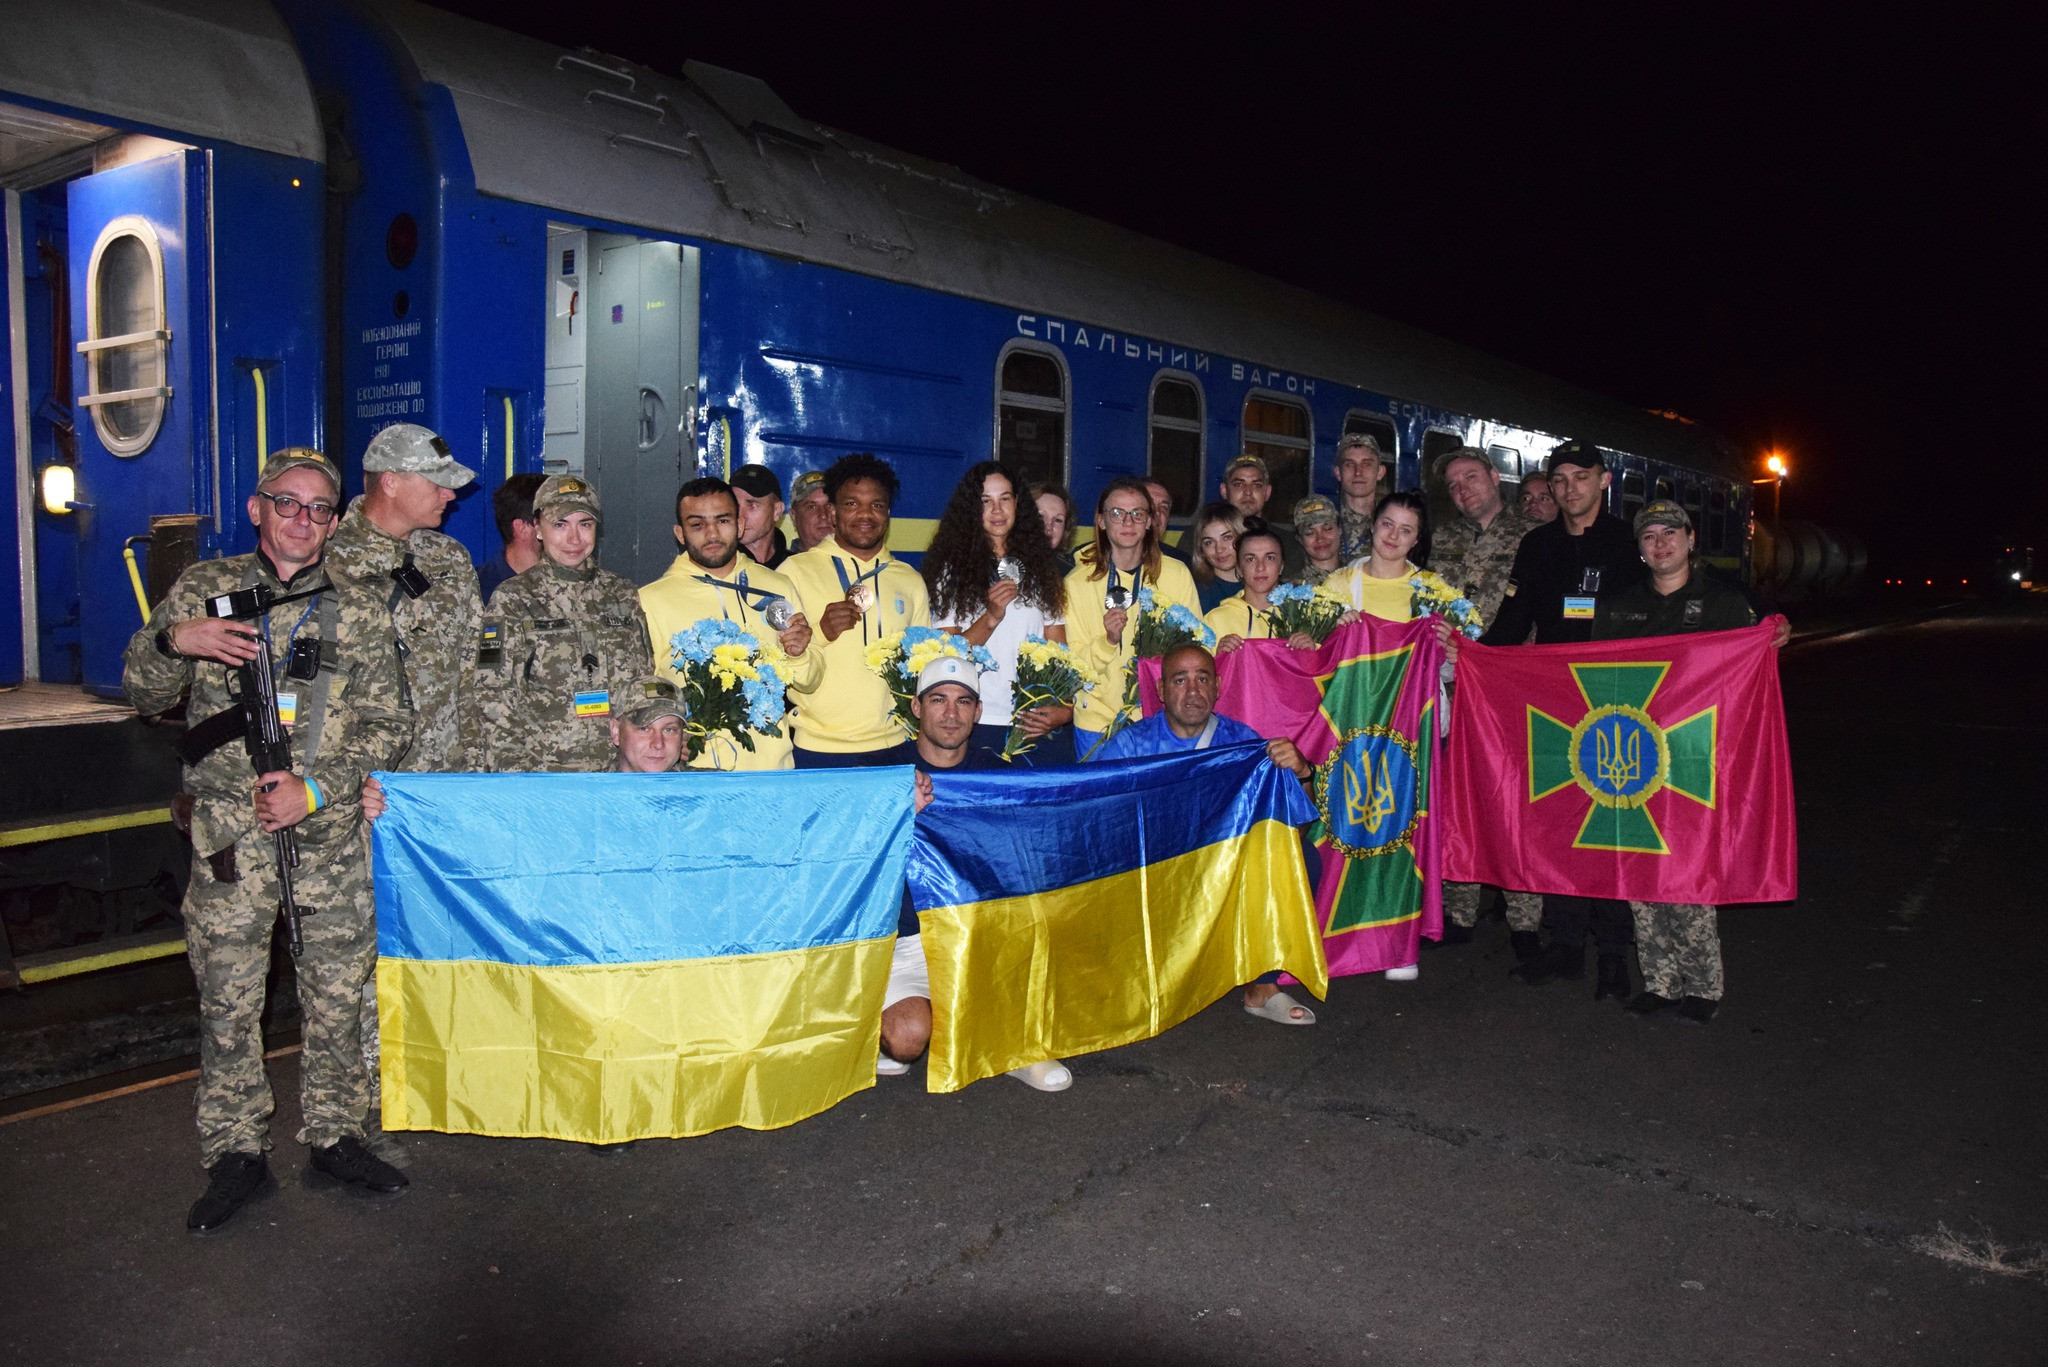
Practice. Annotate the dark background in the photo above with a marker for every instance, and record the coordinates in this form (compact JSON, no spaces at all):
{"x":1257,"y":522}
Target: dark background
{"x":1816,"y":230}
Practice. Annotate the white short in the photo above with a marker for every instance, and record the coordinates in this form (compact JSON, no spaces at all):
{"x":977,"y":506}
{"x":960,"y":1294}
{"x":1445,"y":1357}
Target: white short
{"x":908,"y":976}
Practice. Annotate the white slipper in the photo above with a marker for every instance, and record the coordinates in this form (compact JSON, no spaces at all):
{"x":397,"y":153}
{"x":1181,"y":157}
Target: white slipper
{"x":1405,"y":974}
{"x":1049,"y":1076}
{"x":1281,"y":1007}
{"x":890,"y":1067}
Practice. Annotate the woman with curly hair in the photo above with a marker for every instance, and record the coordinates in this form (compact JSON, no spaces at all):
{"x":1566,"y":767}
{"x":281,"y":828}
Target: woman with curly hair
{"x":994,"y":580}
{"x":1102,"y":598}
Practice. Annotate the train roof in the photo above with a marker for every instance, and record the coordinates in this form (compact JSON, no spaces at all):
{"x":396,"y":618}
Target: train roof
{"x":221,"y":70}
{"x":716,"y":155}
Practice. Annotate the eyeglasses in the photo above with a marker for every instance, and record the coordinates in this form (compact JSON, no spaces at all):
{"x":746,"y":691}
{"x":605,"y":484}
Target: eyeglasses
{"x":1128,"y":514}
{"x":288,"y":508}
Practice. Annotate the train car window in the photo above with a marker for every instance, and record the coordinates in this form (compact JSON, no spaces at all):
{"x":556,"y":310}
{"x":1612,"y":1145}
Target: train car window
{"x":125,"y":336}
{"x":1378,"y":428}
{"x":1175,"y":447}
{"x":1631,"y":492}
{"x":1663,"y":487}
{"x":1717,"y":520}
{"x":1507,"y":460}
{"x":1434,"y":444}
{"x":1031,"y":414}
{"x":1278,"y":431}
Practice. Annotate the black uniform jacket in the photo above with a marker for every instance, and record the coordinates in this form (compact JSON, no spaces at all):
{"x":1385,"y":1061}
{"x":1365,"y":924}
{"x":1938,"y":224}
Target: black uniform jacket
{"x":1553,"y":565}
{"x":1703,"y":604}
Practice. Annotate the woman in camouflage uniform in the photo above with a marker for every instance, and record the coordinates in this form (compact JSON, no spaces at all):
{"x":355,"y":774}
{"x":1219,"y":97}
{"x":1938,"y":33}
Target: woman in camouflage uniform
{"x":562,"y":641}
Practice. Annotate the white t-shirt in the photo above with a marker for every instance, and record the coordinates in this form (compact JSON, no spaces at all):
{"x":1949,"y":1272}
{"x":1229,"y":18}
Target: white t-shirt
{"x":1023,"y":618}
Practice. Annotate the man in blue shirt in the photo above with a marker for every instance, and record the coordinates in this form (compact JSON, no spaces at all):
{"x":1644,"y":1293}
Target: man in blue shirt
{"x":1188,"y":720}
{"x":947,"y":707}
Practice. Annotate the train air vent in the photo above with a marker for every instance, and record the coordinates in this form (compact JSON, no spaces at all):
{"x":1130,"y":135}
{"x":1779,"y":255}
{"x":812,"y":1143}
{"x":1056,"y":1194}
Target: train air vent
{"x":750,"y":104}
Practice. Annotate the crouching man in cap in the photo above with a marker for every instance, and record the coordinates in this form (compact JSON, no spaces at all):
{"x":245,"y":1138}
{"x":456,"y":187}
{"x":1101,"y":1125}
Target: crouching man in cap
{"x":947,"y":707}
{"x":327,"y":644}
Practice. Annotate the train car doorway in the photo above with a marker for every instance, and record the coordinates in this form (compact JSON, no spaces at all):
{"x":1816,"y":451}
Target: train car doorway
{"x":622,"y":385}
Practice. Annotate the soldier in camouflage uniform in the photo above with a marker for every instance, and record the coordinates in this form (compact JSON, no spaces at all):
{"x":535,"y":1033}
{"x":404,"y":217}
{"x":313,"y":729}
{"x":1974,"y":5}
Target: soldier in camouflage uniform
{"x":346,"y":719}
{"x":1678,"y":943}
{"x":561,"y":641}
{"x":1317,"y":525}
{"x":388,"y":544}
{"x":1475,"y":551}
{"x":1360,"y":465}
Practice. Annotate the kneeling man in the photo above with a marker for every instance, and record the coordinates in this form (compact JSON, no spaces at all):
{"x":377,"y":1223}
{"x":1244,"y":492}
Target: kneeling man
{"x":947,"y":706}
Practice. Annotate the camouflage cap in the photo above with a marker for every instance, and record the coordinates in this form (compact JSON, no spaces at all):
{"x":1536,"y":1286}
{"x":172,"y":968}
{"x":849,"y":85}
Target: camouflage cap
{"x":1360,"y":441}
{"x":1247,"y":462}
{"x":1662,"y":513}
{"x":299,"y":458}
{"x":1577,"y":453}
{"x":650,"y":699}
{"x":408,"y":448}
{"x":1314,"y":511}
{"x":950,"y":669}
{"x":566,"y":494}
{"x":1443,"y":462}
{"x":806,"y":484}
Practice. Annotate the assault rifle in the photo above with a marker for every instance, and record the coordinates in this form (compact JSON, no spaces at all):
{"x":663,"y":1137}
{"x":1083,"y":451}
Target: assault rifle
{"x":255,"y":718}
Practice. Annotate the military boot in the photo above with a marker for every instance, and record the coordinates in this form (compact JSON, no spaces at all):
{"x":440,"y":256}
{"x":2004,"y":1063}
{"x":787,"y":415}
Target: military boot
{"x":1613,"y":978}
{"x":1527,"y":944}
{"x":347,"y":1160}
{"x":231,"y":1182}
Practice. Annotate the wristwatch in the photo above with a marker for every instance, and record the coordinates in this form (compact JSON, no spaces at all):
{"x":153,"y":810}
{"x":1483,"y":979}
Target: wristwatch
{"x":163,"y":644}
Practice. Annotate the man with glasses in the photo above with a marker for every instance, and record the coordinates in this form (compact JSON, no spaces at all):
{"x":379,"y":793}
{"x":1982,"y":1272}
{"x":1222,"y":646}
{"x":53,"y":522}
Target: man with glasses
{"x":327,"y":645}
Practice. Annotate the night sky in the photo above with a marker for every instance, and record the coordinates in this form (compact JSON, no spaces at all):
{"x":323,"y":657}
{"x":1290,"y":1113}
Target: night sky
{"x":1803,"y":229}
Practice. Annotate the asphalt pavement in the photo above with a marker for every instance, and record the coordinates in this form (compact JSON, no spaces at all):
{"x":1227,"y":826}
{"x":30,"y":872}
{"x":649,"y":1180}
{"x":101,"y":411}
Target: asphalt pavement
{"x":1848,"y":1164}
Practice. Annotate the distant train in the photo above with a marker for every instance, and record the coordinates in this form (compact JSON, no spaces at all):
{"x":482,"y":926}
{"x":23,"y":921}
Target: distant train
{"x":232,"y":227}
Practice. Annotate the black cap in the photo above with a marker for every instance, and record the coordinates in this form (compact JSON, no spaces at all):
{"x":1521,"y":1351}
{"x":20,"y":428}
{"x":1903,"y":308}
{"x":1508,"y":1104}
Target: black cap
{"x":758,"y":480}
{"x":1577,"y":453}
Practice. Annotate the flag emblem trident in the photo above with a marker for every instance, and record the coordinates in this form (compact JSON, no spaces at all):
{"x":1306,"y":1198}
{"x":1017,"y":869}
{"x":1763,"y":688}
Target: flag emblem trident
{"x":1620,"y":756}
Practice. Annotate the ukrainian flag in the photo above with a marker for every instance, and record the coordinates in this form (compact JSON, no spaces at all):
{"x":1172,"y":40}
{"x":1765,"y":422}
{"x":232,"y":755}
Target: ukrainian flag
{"x":604,"y":957}
{"x":1073,"y":909}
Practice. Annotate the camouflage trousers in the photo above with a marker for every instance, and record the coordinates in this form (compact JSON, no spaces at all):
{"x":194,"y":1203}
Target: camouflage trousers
{"x":1463,"y":900}
{"x":228,"y":929}
{"x":1679,"y":946}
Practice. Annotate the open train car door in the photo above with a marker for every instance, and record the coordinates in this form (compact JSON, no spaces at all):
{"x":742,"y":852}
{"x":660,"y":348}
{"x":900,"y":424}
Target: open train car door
{"x":140,"y":325}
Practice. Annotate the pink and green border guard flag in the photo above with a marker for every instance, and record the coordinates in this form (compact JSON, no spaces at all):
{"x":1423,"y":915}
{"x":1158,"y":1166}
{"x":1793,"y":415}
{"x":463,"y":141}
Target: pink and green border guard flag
{"x":1654,"y":769}
{"x":1362,"y":708}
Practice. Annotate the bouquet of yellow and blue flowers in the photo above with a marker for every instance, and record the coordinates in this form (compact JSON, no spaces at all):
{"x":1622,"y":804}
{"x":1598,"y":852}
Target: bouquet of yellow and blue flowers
{"x":1160,"y":629}
{"x":1297,"y":608}
{"x":729,"y":683}
{"x":899,"y":658}
{"x":1433,"y":595}
{"x":1046,"y":676}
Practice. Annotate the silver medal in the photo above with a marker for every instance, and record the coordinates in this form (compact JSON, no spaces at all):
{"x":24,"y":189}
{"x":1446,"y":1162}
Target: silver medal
{"x":1009,"y":568}
{"x":1117,"y":597}
{"x":777,"y":613}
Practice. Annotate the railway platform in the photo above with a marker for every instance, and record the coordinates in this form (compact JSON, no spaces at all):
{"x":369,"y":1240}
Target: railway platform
{"x":1847,"y":1164}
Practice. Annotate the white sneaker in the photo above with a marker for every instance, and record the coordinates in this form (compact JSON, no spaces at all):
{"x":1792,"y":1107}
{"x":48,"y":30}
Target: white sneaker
{"x":890,"y":1067}
{"x":1049,"y":1076}
{"x":1406,"y":974}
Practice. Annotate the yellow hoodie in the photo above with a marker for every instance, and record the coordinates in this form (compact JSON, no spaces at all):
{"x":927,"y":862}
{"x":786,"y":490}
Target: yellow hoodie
{"x":1102,"y":659}
{"x":851,"y":712}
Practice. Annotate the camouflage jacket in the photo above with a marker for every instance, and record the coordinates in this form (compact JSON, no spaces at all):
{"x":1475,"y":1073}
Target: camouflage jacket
{"x":560,"y":645}
{"x":436,"y":634}
{"x":366,"y":726}
{"x":1354,"y":533}
{"x":1479,"y":560}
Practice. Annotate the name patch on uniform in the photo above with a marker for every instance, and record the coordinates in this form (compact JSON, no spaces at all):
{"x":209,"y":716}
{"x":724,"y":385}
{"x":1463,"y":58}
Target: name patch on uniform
{"x":490,"y":645}
{"x":1695,"y":612}
{"x":1579,"y":609}
{"x":288,"y":708}
{"x":597,"y":704}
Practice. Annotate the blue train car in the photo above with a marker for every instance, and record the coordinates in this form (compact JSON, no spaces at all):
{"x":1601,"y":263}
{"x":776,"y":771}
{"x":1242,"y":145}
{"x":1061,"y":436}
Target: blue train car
{"x":164,"y":175}
{"x":564,"y":261}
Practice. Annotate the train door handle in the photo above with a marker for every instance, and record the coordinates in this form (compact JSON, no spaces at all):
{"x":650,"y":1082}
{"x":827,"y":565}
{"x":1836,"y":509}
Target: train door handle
{"x":651,"y":406}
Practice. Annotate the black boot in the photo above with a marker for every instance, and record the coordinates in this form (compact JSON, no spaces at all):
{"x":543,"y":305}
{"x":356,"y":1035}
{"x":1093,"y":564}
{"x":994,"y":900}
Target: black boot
{"x":1648,"y":1003}
{"x":232,"y":1181}
{"x":1613,"y":978}
{"x":1527,"y":944}
{"x":346,"y":1160}
{"x":1455,"y":934}
{"x":1696,"y":1010}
